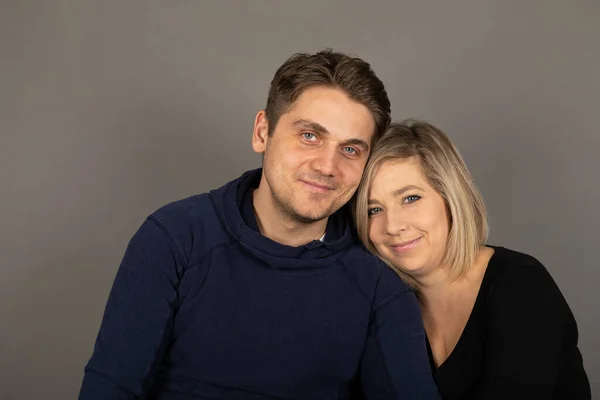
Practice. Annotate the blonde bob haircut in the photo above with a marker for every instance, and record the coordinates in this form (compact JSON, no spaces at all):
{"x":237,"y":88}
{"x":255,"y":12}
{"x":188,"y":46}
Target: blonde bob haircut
{"x":447,"y":173}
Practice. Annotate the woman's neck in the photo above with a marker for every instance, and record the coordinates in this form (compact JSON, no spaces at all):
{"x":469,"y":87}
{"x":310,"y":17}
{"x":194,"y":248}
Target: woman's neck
{"x":440,"y":288}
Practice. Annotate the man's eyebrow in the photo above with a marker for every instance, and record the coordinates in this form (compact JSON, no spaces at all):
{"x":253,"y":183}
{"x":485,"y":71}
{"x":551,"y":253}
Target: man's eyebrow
{"x":312,"y":125}
{"x":397,"y":192}
{"x":315,"y":126}
{"x":359,"y":143}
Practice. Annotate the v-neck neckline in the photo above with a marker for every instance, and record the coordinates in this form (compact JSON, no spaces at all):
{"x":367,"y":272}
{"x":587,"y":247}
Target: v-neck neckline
{"x":476,"y":305}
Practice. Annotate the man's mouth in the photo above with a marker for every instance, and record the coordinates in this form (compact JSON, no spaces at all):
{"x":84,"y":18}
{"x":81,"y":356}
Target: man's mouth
{"x":317,"y":187}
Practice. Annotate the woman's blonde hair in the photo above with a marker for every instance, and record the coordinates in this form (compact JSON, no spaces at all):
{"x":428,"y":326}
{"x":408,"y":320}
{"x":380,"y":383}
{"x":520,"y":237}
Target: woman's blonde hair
{"x":447,"y":173}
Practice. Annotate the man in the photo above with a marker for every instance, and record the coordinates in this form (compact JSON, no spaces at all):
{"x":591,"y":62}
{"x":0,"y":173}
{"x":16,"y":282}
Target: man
{"x":259,"y":289}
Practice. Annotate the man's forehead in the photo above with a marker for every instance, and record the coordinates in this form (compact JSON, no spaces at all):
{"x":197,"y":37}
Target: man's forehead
{"x":331,"y":111}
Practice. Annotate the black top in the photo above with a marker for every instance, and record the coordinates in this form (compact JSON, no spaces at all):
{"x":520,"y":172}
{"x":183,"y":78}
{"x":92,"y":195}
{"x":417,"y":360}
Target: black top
{"x":520,"y":341}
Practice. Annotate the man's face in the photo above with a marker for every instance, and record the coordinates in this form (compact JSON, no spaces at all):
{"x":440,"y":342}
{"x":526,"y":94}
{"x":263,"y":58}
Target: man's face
{"x":314,"y":158}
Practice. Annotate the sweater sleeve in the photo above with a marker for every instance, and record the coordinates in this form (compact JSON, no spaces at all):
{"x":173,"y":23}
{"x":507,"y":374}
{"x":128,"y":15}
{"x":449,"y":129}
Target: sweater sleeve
{"x":526,"y":326}
{"x":395,"y":364}
{"x":137,"y":320}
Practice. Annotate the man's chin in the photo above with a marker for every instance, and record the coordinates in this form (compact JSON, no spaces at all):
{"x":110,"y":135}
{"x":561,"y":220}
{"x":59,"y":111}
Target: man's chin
{"x":308,"y":217}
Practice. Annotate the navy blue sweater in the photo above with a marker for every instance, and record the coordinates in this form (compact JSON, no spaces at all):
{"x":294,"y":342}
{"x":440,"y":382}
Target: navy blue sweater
{"x":205,"y":307}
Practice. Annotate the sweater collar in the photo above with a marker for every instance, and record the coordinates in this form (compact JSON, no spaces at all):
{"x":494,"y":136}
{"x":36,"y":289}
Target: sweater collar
{"x":241,"y":221}
{"x":335,"y":224}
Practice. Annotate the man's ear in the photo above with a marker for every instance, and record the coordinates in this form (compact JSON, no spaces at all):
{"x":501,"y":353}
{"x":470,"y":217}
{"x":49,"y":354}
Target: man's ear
{"x":260,"y":135}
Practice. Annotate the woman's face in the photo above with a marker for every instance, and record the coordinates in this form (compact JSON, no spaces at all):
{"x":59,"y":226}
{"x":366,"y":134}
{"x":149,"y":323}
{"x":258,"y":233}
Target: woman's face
{"x":408,"y":220}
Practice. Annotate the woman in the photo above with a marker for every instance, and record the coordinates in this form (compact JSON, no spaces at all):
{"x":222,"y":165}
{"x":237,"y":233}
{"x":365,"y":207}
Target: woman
{"x":497,"y":324}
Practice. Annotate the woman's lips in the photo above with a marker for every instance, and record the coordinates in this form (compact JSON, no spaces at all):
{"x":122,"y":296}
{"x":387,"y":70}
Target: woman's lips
{"x":405,"y":247}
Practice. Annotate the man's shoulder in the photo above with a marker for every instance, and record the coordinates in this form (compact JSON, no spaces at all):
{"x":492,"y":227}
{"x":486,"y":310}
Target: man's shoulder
{"x":196,"y":210}
{"x":373,"y":277}
{"x":193,"y":223}
{"x":186,"y":210}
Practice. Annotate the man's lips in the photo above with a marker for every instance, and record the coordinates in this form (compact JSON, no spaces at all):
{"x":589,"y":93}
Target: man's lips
{"x":317,"y":186}
{"x":405,"y":246}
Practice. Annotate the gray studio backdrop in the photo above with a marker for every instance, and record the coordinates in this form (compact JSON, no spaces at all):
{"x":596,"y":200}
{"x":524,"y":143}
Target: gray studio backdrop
{"x":110,"y":109}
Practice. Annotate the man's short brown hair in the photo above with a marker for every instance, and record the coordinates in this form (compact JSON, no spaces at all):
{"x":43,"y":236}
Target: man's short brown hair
{"x":327,"y":68}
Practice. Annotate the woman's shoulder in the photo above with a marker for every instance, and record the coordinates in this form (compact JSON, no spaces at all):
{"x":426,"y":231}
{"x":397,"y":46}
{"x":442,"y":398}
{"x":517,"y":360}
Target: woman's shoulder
{"x":514,"y":258}
{"x":520,"y":277}
{"x":506,"y":265}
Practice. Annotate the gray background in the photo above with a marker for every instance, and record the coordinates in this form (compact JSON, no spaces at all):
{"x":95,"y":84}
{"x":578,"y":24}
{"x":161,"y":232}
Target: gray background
{"x":110,"y":109}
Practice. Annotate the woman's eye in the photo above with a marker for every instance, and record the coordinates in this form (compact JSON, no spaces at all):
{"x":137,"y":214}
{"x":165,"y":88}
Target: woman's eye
{"x":411,"y":198}
{"x":373,"y":211}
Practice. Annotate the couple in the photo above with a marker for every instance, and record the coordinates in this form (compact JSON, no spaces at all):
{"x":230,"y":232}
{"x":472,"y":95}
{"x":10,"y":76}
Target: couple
{"x":261,"y":289}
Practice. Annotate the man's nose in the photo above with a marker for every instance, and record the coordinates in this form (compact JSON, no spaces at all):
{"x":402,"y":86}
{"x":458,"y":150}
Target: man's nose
{"x":327,"y":161}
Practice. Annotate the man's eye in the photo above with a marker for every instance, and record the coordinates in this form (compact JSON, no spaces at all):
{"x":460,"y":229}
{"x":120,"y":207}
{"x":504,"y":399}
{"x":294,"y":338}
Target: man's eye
{"x":350,"y":150}
{"x":411,"y":198}
{"x":373,"y":211}
{"x":309,"y":136}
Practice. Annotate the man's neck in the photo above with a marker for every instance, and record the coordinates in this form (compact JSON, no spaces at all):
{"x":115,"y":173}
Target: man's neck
{"x":280,"y":228}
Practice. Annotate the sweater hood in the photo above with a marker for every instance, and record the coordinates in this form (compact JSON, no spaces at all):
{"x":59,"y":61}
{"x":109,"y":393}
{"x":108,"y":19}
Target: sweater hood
{"x":315,"y":254}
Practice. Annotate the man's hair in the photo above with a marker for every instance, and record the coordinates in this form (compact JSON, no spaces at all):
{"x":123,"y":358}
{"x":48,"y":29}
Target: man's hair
{"x":330,"y":69}
{"x":446,"y":171}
